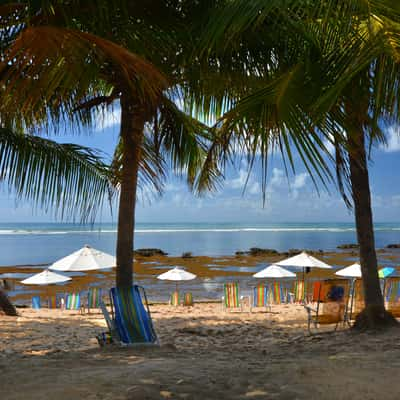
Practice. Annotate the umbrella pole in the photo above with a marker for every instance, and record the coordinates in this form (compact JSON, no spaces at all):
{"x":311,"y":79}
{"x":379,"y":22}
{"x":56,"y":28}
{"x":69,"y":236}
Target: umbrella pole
{"x":353,"y":281}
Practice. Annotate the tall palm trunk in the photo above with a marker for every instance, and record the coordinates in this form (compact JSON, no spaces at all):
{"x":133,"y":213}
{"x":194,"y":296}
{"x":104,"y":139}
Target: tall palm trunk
{"x":374,"y":314}
{"x":132,"y":129}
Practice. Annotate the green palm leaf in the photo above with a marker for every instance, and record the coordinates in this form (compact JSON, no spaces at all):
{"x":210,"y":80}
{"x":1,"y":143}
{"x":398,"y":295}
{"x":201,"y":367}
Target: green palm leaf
{"x":66,"y":178}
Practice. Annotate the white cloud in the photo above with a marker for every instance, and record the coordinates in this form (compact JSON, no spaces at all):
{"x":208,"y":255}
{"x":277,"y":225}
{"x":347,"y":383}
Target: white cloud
{"x":254,"y":188}
{"x":300,"y":180}
{"x":278,"y":177}
{"x":238,"y":182}
{"x":109,"y":118}
{"x":393,"y":140}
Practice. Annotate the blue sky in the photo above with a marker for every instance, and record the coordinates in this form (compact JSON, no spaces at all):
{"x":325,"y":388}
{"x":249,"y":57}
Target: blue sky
{"x":288,"y":200}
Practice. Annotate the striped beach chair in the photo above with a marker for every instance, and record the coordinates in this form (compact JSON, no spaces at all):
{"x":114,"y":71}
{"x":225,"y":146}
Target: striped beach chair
{"x":392,"y":296}
{"x":174,"y":299}
{"x":52,"y":302}
{"x":187,"y":299}
{"x":94,"y":298}
{"x":299,"y":291}
{"x":73,"y":301}
{"x":279,"y":293}
{"x":231,"y":299}
{"x":332,"y":299}
{"x":260,"y":297}
{"x":36,"y":302}
{"x":356,"y":302}
{"x":131,"y":322}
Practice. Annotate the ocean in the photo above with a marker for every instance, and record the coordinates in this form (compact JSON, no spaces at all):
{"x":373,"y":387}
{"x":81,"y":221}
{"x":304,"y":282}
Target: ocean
{"x":35,"y":243}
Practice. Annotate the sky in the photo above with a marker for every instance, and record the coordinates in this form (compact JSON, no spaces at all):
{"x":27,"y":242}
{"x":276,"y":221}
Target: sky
{"x":288,"y":199}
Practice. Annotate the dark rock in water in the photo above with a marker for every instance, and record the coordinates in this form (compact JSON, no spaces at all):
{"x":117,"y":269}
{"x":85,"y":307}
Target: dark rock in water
{"x":149,"y":252}
{"x":295,"y":252}
{"x":347,"y":246}
{"x":187,"y":254}
{"x":255,"y":251}
{"x":393,"y":246}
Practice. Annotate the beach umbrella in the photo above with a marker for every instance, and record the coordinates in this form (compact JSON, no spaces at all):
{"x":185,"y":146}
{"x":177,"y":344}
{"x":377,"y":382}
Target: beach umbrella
{"x":85,"y":259}
{"x":303,"y":260}
{"x":385,"y":272}
{"x":46,"y":277}
{"x":176,"y":274}
{"x":353,"y":271}
{"x":274,"y":271}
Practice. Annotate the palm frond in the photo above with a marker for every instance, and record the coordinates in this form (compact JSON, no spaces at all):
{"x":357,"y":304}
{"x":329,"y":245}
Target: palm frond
{"x":48,"y":71}
{"x":67,"y":178}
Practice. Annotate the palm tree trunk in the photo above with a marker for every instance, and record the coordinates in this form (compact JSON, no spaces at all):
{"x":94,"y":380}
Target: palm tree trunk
{"x":374,"y":314}
{"x":6,"y":305}
{"x":132,"y":130}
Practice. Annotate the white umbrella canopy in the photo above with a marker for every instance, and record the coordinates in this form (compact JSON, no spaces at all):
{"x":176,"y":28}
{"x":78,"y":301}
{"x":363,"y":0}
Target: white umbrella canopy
{"x":85,"y":259}
{"x":176,"y":274}
{"x":303,"y":260}
{"x":274,"y":271}
{"x":45,"y":277}
{"x":353,"y":271}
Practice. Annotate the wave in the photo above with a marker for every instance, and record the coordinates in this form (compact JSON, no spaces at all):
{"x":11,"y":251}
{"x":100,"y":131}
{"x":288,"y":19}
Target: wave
{"x":189,"y":230}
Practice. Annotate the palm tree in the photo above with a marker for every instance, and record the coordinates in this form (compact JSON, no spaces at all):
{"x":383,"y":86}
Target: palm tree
{"x":333,"y":69}
{"x":56,"y":68}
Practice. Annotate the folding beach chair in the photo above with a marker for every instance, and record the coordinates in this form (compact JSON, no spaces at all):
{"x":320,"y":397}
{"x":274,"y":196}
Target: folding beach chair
{"x":278,"y":293}
{"x":332,"y":299}
{"x":356,"y":302}
{"x":36,"y":302}
{"x":130,"y":322}
{"x":94,"y":298}
{"x":260,"y":297}
{"x":174,"y":299}
{"x":52,"y":302}
{"x":73,"y":301}
{"x":392,"y":296}
{"x":299,"y":291}
{"x":231,"y":299}
{"x":187,"y":299}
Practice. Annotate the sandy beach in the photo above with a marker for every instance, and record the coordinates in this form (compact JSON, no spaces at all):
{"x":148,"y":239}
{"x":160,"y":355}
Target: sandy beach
{"x":205,"y":353}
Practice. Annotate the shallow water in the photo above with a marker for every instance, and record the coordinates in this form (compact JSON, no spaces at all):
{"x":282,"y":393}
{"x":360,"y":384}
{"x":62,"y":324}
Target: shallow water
{"x":45,"y":243}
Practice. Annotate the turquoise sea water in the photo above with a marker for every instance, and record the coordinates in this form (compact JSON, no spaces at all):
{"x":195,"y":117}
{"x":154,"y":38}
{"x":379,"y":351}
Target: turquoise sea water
{"x":44,"y":243}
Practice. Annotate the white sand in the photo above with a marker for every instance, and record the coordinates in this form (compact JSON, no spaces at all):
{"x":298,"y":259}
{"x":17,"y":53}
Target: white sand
{"x":205,"y":354}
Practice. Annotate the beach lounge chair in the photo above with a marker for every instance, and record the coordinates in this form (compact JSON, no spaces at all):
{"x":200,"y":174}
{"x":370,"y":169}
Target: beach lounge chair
{"x":130,"y":321}
{"x":278,"y":293}
{"x":332,"y":299}
{"x":94,"y":298}
{"x":73,"y":301}
{"x":299,"y":291}
{"x":260,"y":298}
{"x":52,"y":302}
{"x":356,"y":302}
{"x":174,"y":299}
{"x":36,"y":302}
{"x":187,"y":299}
{"x":231,"y":299}
{"x":392,"y":296}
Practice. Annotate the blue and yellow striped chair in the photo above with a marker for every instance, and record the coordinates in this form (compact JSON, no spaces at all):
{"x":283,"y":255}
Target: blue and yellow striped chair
{"x":73,"y":301}
{"x":131,"y":321}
